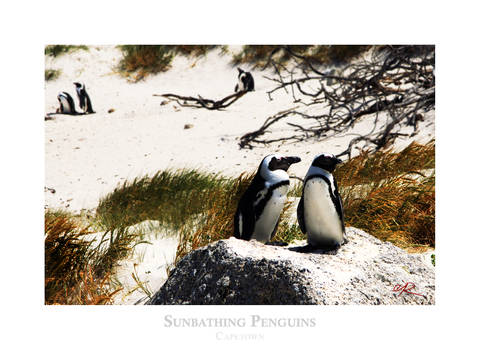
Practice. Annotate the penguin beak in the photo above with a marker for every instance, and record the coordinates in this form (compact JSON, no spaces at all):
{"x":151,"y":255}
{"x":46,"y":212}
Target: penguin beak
{"x":338,"y":160}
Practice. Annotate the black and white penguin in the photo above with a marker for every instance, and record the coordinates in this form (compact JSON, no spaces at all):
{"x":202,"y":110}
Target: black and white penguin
{"x":260,"y":206}
{"x":84,"y":99}
{"x":320,"y":210}
{"x":67,"y":106}
{"x":245,"y":81}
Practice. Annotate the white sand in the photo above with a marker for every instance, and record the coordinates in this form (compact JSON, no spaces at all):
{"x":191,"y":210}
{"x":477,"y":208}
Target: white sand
{"x":86,"y":157}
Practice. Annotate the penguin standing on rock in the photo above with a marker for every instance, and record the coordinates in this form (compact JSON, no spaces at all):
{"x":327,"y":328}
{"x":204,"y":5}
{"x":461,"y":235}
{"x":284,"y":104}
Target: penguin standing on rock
{"x":320,"y":210}
{"x":259,"y":208}
{"x":67,"y":106}
{"x":245,"y":81}
{"x":84,"y":99}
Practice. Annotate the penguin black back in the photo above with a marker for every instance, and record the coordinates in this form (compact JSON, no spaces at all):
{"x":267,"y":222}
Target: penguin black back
{"x":67,"y":105}
{"x":83,"y":98}
{"x":260,"y":206}
{"x":245,"y":81}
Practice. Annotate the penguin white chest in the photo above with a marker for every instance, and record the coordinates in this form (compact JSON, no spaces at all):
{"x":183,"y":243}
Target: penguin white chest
{"x":266,"y":222}
{"x":321,"y":218}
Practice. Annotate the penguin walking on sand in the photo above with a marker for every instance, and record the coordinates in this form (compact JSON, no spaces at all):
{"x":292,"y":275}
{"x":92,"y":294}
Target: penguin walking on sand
{"x":262,"y":203}
{"x":320,"y":210}
{"x":245,"y":81}
{"x":84,"y":99}
{"x":67,"y":106}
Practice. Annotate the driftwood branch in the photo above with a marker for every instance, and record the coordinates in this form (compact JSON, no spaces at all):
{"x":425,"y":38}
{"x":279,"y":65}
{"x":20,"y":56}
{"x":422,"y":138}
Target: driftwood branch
{"x":200,"y":102}
{"x":395,"y":81}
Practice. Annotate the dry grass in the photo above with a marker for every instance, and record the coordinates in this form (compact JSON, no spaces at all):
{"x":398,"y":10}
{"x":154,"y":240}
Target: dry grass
{"x":172,"y":197}
{"x":78,"y":268}
{"x":216,"y":221}
{"x":57,"y":50}
{"x":392,"y":195}
{"x":52,"y":74}
{"x":258,"y":55}
{"x":139,"y":61}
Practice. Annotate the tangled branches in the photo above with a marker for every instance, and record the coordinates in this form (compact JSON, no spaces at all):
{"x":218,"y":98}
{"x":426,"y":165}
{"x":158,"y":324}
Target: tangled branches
{"x":395,"y":81}
{"x":200,"y":102}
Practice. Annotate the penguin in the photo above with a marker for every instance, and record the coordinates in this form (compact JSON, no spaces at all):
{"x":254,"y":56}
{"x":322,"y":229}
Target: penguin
{"x":260,"y":206}
{"x":320,"y":210}
{"x":84,"y":99}
{"x":67,"y":106}
{"x":245,"y":81}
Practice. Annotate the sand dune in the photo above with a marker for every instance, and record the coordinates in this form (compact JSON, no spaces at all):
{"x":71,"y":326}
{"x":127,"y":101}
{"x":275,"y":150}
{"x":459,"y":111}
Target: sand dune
{"x":88,"y":156}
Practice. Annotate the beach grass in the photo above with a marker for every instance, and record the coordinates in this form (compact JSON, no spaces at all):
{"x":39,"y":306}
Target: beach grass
{"x":171,"y":197}
{"x":392,"y":195}
{"x":389,"y":195}
{"x":140,"y":61}
{"x":58,"y":50}
{"x":259,"y":55}
{"x":78,"y":263}
{"x":52,"y":74}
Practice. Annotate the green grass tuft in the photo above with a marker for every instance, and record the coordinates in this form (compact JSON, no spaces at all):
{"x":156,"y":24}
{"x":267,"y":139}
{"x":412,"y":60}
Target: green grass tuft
{"x":52,"y":74}
{"x":58,"y":50}
{"x":171,"y":197}
{"x":258,"y":55}
{"x":139,"y":61}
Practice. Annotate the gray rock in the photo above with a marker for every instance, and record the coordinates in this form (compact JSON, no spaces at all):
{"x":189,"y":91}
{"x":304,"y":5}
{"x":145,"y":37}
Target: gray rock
{"x":363,"y":271}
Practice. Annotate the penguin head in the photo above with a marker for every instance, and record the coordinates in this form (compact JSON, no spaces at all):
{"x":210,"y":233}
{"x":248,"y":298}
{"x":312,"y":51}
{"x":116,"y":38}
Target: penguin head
{"x":275,"y":163}
{"x":240,"y":71}
{"x":78,"y":85}
{"x":326,"y":161}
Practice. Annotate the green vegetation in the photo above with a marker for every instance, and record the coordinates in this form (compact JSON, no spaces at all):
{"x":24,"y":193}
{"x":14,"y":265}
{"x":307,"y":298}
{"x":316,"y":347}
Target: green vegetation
{"x":57,"y":50}
{"x":390,"y":195}
{"x":139,"y":61}
{"x":258,"y":55}
{"x":52,"y":74}
{"x":199,"y":207}
{"x":171,"y":196}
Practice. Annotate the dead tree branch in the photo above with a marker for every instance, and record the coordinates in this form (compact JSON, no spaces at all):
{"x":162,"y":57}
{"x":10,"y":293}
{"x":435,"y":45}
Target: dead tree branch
{"x":200,"y":102}
{"x":397,"y":82}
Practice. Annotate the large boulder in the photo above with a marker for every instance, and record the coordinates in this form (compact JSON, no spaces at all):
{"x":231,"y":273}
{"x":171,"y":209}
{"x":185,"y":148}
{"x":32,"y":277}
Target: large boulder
{"x":363,"y":271}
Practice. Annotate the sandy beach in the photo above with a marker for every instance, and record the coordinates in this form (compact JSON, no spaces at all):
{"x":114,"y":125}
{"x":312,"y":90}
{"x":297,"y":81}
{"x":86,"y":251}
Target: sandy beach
{"x":133,"y":134}
{"x":87,"y":156}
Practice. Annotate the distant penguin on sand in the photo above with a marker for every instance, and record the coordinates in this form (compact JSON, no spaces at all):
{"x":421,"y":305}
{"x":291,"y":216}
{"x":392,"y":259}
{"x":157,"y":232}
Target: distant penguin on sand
{"x":262,"y":203}
{"x":67,"y":106}
{"x":84,"y":99}
{"x":245,"y":81}
{"x":320,"y":210}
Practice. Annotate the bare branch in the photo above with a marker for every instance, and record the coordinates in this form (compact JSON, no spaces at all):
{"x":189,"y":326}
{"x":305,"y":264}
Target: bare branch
{"x":200,"y":102}
{"x":396,"y":81}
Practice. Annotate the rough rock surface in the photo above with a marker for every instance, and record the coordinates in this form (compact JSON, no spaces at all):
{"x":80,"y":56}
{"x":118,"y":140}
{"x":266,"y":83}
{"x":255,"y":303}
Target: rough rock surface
{"x":363,"y":271}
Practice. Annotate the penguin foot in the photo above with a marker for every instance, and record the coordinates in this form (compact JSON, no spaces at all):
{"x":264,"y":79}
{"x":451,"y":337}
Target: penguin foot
{"x":320,"y":249}
{"x":305,"y":249}
{"x":277,"y":244}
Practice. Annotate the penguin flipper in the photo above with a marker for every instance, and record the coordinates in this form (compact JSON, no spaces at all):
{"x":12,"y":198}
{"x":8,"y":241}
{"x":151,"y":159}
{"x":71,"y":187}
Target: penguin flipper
{"x":337,"y":201}
{"x":244,"y":222}
{"x":300,"y":215}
